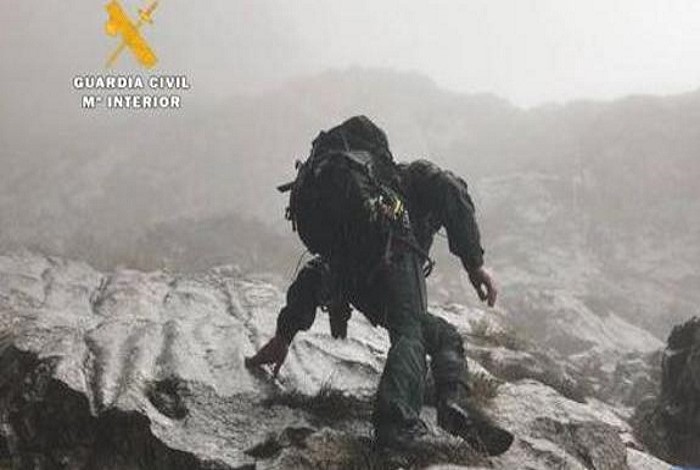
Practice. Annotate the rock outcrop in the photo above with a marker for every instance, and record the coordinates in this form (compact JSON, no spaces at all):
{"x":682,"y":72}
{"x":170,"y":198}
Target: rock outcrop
{"x":133,"y":370}
{"x":669,"y":423}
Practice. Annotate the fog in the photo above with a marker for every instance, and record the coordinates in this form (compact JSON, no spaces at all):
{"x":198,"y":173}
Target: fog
{"x":529,"y":52}
{"x":575,"y":124}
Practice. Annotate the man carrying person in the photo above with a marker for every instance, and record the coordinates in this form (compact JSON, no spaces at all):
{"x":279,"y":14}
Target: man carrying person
{"x":378,"y":265}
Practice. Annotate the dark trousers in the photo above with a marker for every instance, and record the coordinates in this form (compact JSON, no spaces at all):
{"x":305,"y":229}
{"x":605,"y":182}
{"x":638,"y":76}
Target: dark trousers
{"x":395,"y":298}
{"x":413,"y":333}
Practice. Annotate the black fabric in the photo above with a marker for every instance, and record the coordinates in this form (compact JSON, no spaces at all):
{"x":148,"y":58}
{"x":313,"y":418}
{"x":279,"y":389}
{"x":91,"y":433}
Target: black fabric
{"x":445,"y":348}
{"x":396,"y":300}
{"x":400,"y":392}
{"x":308,"y":291}
{"x":334,"y":200}
{"x":356,"y":133}
{"x":333,"y":206}
{"x":438,"y":198}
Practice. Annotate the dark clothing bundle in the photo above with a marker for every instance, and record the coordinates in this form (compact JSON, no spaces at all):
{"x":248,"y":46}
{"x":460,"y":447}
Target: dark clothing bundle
{"x":393,"y":294}
{"x":435,"y":199}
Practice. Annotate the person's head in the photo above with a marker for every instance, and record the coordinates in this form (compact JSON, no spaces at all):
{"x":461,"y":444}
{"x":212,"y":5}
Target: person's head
{"x":356,"y":133}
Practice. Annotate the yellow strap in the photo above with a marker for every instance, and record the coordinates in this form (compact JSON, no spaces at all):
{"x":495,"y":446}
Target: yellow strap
{"x":398,"y":208}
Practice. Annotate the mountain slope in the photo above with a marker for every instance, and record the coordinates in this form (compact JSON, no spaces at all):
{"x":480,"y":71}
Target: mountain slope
{"x":596,"y":198}
{"x":145,"y":370}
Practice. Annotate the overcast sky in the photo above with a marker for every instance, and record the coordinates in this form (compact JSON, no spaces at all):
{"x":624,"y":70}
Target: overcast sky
{"x":527,"y":51}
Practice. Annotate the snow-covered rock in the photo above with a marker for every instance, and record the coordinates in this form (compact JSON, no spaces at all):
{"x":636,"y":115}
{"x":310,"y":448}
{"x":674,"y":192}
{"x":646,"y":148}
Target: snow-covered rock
{"x":145,"y":371}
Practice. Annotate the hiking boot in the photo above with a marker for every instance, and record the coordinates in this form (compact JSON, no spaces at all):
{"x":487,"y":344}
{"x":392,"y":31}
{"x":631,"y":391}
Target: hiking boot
{"x":475,"y":428}
{"x":401,"y":437}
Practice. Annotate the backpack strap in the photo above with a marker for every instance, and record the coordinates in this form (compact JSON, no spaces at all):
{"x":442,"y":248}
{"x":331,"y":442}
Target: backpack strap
{"x":410,"y":243}
{"x":286,"y":187}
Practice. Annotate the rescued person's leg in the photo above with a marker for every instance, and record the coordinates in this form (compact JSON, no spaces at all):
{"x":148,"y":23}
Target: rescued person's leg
{"x":447,"y":359}
{"x":455,"y":414}
{"x":400,"y":394}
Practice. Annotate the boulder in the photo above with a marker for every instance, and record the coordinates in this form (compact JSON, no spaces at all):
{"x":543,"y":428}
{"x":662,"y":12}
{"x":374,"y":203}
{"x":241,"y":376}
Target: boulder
{"x":134,"y":370}
{"x":669,"y":424}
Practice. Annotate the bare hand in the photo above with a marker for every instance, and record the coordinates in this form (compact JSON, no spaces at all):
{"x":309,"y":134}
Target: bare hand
{"x":274,"y":352}
{"x":484,"y":285}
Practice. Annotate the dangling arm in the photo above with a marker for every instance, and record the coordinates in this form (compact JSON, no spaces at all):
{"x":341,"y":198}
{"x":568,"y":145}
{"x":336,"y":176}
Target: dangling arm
{"x":303,"y":298}
{"x":446,"y":195}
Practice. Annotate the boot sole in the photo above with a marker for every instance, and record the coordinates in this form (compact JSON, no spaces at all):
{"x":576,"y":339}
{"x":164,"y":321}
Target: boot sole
{"x":480,"y":435}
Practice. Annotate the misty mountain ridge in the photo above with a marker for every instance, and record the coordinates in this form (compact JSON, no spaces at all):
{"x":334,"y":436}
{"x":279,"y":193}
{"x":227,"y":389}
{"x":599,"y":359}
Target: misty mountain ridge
{"x":595,"y":199}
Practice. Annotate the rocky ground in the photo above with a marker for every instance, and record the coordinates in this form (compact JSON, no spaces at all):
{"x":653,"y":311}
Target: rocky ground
{"x":668,"y":421}
{"x":133,"y":370}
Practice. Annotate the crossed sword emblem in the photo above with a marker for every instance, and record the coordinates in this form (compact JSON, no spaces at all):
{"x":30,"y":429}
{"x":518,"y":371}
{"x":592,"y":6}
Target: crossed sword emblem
{"x":120,"y":23}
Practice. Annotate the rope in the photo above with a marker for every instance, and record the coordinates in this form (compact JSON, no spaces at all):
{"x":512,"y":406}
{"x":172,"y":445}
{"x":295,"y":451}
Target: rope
{"x":296,"y":269}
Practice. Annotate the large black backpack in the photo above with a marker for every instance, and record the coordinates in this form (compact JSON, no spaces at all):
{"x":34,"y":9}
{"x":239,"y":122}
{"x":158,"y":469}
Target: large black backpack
{"x":346,"y":198}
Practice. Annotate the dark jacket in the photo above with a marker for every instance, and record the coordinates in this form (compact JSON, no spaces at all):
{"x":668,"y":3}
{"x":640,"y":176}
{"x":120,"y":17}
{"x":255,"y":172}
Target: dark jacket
{"x":438,"y":198}
{"x":435,"y":198}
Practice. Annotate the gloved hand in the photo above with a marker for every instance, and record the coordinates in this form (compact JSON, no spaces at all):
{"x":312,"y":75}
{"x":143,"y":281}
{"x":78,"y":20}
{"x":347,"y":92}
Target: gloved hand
{"x":484,"y":285}
{"x":274,"y":352}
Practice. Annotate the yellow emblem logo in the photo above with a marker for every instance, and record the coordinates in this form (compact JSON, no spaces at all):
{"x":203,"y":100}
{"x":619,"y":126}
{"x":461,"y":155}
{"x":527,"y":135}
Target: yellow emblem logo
{"x":120,"y":24}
